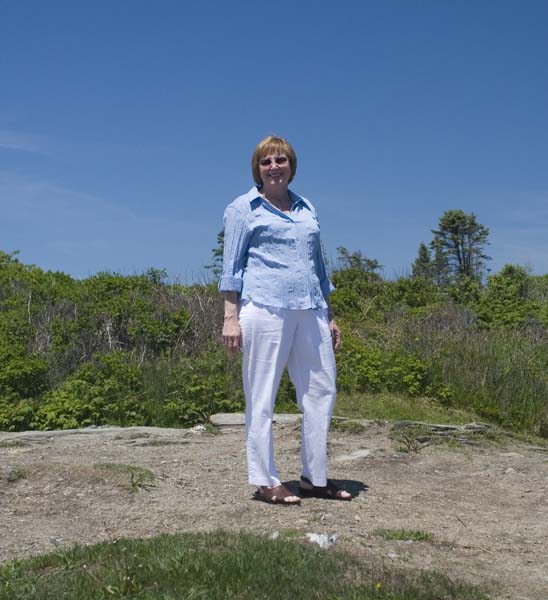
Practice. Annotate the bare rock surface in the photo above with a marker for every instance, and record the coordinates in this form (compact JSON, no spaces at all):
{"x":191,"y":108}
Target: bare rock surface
{"x":486,"y":505}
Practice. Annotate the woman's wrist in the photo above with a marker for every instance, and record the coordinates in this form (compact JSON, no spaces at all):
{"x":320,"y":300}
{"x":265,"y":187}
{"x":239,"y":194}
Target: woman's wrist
{"x":231,"y":305}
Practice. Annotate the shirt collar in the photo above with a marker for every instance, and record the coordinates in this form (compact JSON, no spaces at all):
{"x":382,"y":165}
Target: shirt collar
{"x":254,"y":194}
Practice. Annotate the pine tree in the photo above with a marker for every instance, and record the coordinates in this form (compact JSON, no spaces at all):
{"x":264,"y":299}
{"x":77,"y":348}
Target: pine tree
{"x":216,"y":265}
{"x":459,"y":244}
{"x":423,"y":265}
{"x":440,"y":264}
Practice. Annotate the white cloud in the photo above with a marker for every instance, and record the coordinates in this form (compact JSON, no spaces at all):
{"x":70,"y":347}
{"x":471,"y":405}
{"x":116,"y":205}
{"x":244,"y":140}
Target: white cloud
{"x":21,"y":142}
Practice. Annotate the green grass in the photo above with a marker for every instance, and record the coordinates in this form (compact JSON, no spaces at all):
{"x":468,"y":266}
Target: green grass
{"x":403,"y":534}
{"x":413,"y":437}
{"x":353,"y":427}
{"x":139,"y":478}
{"x":291,"y":534}
{"x":217,"y":566}
{"x":392,"y":407}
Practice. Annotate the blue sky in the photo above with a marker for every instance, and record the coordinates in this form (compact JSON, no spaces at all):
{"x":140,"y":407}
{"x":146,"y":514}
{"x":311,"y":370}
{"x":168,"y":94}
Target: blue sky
{"x":126,"y":127}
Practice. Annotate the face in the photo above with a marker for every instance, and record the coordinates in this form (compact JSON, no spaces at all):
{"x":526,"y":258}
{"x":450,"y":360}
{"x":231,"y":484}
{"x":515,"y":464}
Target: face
{"x":275,"y":170}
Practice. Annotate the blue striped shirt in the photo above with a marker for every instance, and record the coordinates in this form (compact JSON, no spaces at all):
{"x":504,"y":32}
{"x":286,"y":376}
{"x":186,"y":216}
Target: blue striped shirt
{"x":273,"y":258}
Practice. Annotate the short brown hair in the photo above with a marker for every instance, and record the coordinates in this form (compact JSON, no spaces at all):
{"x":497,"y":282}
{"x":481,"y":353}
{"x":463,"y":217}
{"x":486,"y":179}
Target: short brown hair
{"x":272,"y":145}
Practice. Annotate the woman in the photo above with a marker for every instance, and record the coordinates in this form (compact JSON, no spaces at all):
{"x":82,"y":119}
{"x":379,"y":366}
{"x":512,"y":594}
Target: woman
{"x":276,"y":310}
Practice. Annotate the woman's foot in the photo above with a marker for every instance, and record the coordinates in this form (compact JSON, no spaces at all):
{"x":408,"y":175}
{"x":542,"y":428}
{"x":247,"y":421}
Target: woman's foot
{"x":329,"y":491}
{"x":277,"y":494}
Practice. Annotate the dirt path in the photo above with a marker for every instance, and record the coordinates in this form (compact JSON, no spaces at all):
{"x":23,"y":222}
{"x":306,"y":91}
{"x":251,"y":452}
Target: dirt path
{"x":486,"y":507}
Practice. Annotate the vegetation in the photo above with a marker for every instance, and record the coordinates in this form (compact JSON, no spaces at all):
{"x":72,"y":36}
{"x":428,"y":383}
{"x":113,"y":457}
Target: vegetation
{"x":139,"y":478}
{"x":12,"y":474}
{"x":353,"y":427}
{"x":403,"y":534}
{"x":217,"y":566}
{"x":443,"y":344}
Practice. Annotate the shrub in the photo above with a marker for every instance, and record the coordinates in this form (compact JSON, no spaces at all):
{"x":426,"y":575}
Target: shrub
{"x":363,"y":368}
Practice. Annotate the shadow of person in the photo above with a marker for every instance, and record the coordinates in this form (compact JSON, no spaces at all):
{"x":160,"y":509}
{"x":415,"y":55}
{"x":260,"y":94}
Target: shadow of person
{"x":353,"y":486}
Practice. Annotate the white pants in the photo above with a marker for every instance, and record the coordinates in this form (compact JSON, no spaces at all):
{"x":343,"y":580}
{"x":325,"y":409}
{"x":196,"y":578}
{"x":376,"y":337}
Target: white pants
{"x":273,"y":337}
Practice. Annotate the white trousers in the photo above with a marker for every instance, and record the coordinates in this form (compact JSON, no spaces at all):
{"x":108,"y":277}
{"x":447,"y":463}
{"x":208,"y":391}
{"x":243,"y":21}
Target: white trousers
{"x":273,"y":337}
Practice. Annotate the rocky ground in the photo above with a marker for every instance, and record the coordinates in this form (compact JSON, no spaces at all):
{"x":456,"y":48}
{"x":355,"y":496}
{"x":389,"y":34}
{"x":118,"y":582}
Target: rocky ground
{"x":486,"y":505}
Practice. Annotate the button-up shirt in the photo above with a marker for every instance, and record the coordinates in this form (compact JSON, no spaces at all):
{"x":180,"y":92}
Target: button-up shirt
{"x":273,"y":258}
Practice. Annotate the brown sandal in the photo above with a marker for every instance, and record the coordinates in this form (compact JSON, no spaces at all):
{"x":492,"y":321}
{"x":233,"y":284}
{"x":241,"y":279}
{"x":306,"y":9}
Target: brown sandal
{"x":329,"y":491}
{"x":275,"y":495}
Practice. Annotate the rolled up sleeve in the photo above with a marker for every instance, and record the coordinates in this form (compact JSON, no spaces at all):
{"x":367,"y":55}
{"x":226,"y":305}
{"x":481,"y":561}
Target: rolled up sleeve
{"x":236,"y":241}
{"x":326,"y":286}
{"x":325,"y":283}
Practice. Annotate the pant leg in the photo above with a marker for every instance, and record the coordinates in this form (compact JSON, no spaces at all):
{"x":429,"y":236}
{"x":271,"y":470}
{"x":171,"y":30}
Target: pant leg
{"x":313,"y":372}
{"x":267,"y":334}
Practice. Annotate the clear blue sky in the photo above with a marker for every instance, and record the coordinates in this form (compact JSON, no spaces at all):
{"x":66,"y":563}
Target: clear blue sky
{"x":126,"y":127}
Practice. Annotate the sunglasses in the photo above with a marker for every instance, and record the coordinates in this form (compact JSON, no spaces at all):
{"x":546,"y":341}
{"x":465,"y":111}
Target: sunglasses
{"x":279,"y":160}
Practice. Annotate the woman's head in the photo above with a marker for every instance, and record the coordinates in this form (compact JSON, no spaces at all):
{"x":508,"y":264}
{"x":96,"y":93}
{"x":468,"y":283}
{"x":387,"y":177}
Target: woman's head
{"x":272,"y":146}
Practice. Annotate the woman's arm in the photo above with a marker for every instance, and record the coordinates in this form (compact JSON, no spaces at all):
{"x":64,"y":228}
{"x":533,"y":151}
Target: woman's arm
{"x":236,"y":240}
{"x":327,"y":287}
{"x":232,"y":335}
{"x":333,"y":327}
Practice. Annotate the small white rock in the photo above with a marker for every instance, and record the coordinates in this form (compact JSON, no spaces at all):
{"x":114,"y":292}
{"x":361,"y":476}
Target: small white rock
{"x":56,"y":540}
{"x":324,"y":540}
{"x":198,"y":428}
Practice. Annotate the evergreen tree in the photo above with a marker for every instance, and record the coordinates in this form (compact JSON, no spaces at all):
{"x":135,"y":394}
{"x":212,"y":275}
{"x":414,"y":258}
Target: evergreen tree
{"x":440,"y":264}
{"x":459,"y":244}
{"x":216,"y":265}
{"x":423,"y":265}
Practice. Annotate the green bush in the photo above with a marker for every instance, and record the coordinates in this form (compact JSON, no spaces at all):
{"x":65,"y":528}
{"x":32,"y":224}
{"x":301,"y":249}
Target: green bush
{"x":24,"y":376}
{"x":16,"y":414}
{"x":115,"y":389}
{"x":138,"y":350}
{"x":366,"y":368}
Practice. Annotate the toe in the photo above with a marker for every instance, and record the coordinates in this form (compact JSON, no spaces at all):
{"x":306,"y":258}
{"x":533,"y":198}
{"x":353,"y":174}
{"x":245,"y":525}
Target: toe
{"x":292,"y":499}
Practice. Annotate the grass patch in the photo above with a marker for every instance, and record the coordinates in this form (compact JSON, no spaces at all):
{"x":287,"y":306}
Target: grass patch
{"x":211,"y":429}
{"x":217,"y":566}
{"x":392,"y":407}
{"x":353,"y":427}
{"x":403,"y":534}
{"x":529,"y":438}
{"x":291,"y":534}
{"x":413,"y":437}
{"x":140,"y":478}
{"x":13,"y":474}
{"x":13,"y":444}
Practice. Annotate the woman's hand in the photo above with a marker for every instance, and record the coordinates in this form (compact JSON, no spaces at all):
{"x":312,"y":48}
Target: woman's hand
{"x":232,"y":334}
{"x":335,"y":334}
